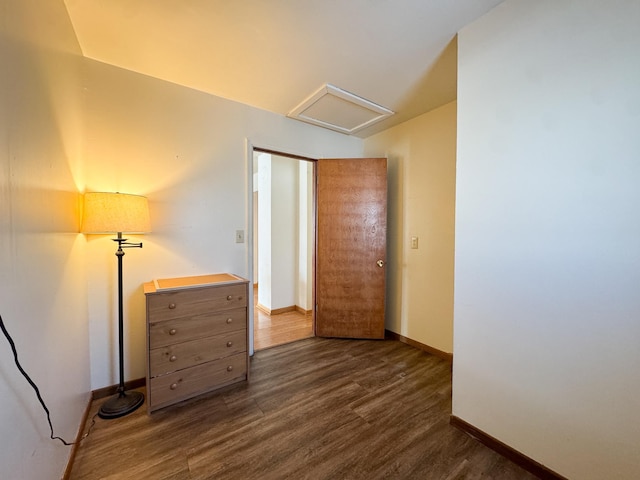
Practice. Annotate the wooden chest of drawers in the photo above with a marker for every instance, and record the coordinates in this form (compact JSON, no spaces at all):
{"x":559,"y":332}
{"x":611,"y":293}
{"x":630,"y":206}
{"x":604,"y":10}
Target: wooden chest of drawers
{"x":197,"y":336}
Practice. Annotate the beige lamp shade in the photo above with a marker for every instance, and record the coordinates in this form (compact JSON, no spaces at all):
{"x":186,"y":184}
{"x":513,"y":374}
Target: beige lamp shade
{"x":115,"y":212}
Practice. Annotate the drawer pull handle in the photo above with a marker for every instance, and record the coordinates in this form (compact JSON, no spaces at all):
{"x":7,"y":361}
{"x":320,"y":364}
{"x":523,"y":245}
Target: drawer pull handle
{"x":173,"y":358}
{"x":229,"y":297}
{"x":229,"y":344}
{"x":173,"y":331}
{"x":172,"y":306}
{"x":229,"y":368}
{"x":173,"y":386}
{"x":229,"y":320}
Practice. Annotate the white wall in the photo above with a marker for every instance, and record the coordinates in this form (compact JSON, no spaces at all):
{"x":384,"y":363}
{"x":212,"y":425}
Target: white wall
{"x":43,"y":292}
{"x":306,"y":220}
{"x":277,"y":224}
{"x":547,"y":307}
{"x":186,"y":151}
{"x":263,"y":232}
{"x":284,"y":232}
{"x":421,"y":167}
{"x":285,"y":222}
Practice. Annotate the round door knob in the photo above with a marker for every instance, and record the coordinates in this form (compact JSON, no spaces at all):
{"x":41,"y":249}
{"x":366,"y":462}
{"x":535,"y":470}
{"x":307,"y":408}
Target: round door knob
{"x":173,"y":358}
{"x":229,"y":344}
{"x":173,"y":386}
{"x":229,"y":320}
{"x":172,"y":306}
{"x":229,"y":297}
{"x":380,"y":263}
{"x":173,"y":331}
{"x":229,"y":368}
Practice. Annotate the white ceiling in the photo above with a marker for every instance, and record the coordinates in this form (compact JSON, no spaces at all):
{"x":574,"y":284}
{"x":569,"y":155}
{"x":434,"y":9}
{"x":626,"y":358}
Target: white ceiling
{"x":273,"y":54}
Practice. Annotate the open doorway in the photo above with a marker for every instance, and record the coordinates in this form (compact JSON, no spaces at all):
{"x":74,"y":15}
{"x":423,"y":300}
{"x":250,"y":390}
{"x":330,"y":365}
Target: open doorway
{"x":283,"y":246}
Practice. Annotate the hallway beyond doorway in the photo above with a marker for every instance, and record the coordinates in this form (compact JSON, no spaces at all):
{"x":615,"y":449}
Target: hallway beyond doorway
{"x":272,"y":330}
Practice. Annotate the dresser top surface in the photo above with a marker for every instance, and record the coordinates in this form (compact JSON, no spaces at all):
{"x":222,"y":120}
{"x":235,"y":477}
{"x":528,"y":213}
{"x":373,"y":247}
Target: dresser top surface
{"x":180,"y":283}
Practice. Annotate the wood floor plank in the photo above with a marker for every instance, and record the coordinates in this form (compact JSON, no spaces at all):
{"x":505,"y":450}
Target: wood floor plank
{"x":314,"y":409}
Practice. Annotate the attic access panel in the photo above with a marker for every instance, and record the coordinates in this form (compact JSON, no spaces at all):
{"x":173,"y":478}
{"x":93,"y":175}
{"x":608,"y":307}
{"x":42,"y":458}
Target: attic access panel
{"x":339,"y":110}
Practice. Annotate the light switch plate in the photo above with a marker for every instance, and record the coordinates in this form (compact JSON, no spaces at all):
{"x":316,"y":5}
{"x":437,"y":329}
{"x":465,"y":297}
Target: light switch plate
{"x":239,"y":236}
{"x":414,"y":242}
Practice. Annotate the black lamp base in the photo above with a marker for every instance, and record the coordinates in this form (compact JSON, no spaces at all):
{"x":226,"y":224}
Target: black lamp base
{"x":121,"y":405}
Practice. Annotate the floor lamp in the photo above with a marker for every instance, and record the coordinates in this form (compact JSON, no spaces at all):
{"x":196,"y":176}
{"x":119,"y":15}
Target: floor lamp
{"x":109,"y":213}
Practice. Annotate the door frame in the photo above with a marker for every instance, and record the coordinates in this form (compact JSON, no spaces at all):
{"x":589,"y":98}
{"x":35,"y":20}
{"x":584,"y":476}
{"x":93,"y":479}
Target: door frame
{"x":250,"y":148}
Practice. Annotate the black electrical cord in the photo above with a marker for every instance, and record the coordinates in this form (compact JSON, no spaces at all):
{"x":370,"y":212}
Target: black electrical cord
{"x":35,"y":387}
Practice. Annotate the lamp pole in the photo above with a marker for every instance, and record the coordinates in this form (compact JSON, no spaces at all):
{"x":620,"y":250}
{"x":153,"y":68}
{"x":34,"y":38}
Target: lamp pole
{"x":123,"y":403}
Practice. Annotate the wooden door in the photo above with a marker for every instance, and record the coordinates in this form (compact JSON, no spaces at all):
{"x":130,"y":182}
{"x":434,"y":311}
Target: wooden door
{"x":351,"y":247}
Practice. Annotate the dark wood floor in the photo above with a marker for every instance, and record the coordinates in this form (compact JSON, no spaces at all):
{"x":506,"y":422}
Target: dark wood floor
{"x":315,"y":409}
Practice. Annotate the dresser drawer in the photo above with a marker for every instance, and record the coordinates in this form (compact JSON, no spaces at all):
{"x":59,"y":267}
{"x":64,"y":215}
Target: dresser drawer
{"x":191,"y":328}
{"x":175,"y":357}
{"x":197,"y":336}
{"x":184,"y":303}
{"x":187,"y":383}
